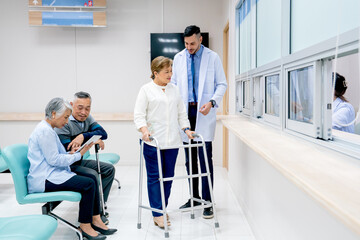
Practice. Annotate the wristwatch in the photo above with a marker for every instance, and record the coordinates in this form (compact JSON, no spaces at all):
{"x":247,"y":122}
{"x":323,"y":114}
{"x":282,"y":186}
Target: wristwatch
{"x":213,"y":103}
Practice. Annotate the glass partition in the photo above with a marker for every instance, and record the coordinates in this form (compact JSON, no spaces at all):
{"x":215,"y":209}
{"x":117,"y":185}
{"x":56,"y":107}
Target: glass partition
{"x":272,"y":95}
{"x":301,"y":94}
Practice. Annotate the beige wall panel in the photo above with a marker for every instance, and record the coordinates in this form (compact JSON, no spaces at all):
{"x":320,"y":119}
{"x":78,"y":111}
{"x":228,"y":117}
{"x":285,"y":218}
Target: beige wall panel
{"x":35,"y":18}
{"x":99,"y":19}
{"x":99,"y":3}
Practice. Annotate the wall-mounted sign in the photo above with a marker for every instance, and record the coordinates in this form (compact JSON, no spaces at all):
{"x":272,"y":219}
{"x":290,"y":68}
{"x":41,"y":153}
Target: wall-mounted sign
{"x":83,"y":19}
{"x":67,"y":3}
{"x":75,"y":13}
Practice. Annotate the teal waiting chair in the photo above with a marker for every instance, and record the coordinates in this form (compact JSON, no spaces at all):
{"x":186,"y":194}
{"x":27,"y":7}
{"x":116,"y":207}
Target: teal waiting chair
{"x":16,"y":159}
{"x":111,"y":158}
{"x":3,"y":166}
{"x":31,"y":227}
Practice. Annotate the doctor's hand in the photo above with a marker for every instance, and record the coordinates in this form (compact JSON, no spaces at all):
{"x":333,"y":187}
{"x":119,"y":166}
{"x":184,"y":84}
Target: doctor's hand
{"x":145,"y":134}
{"x":76,"y":142}
{"x":190,"y":134}
{"x":101,"y":144}
{"x":205,"y":109}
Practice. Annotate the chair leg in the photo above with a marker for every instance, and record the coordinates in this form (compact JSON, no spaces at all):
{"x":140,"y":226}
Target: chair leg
{"x":118,"y":182}
{"x":47,"y":210}
{"x":67,"y":224}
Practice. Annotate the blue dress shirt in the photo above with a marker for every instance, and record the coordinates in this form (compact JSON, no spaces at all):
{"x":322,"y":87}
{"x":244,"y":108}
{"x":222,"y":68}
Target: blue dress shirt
{"x":197,"y":62}
{"x":48,"y":159}
{"x":343,"y":114}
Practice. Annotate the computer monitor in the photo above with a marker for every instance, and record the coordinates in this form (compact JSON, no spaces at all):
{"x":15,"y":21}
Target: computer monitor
{"x":169,"y":44}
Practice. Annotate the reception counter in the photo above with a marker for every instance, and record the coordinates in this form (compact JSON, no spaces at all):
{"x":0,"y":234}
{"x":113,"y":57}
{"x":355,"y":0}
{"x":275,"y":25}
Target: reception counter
{"x":296,"y":188}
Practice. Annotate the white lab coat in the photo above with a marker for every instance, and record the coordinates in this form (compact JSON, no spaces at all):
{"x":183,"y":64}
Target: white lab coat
{"x":343,"y":114}
{"x":212,"y":85}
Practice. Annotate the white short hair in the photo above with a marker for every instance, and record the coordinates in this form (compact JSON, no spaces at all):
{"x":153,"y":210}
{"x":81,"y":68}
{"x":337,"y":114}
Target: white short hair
{"x":57,"y":105}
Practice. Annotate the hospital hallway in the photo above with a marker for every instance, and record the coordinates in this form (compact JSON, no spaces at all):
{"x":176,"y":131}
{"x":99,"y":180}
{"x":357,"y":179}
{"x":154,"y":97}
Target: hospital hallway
{"x":122,"y":207}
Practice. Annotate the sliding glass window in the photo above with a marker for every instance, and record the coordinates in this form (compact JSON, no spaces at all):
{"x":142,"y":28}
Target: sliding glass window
{"x":244,"y":36}
{"x":272,"y":95}
{"x":315,"y":21}
{"x":268,"y":31}
{"x":301,"y":95}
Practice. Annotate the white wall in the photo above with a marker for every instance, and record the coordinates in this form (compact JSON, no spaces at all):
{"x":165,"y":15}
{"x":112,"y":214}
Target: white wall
{"x":39,"y":63}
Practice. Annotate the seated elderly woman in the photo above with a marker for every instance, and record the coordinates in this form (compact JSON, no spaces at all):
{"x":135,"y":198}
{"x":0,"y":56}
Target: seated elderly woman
{"x":50,"y":171}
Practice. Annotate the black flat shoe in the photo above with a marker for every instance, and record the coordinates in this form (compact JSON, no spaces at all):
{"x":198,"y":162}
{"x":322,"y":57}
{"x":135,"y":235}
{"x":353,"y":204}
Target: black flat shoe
{"x":98,"y":237}
{"x":188,"y":204}
{"x":208,"y":213}
{"x":104,"y":231}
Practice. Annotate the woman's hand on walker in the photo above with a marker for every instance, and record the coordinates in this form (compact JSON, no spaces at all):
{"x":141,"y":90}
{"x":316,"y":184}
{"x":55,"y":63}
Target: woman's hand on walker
{"x":190,"y":134}
{"x":145,"y":134}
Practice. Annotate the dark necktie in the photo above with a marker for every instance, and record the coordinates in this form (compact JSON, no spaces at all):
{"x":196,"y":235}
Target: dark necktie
{"x":193,"y":75}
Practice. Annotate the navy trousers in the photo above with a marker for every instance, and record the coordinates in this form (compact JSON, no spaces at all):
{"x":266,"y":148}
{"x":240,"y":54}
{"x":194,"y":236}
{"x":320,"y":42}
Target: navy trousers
{"x":89,"y":168}
{"x":90,"y":201}
{"x":168,"y":160}
{"x":194,"y":157}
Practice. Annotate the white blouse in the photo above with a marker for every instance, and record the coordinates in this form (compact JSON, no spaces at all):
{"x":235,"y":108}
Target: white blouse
{"x":163,"y":112}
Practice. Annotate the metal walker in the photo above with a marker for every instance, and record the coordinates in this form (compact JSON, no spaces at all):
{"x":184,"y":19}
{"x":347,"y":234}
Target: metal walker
{"x":205,"y":204}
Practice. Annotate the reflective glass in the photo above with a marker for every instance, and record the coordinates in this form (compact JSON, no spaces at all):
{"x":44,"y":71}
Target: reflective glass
{"x":246,"y":94}
{"x":272,"y":98}
{"x":301,"y":95}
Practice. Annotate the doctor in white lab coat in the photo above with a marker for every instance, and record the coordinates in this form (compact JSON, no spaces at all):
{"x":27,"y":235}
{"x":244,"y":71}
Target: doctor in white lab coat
{"x":199,"y":74}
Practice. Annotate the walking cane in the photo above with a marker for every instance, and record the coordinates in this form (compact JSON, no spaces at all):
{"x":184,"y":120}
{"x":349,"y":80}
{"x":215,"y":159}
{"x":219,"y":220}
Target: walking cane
{"x":97,"y":147}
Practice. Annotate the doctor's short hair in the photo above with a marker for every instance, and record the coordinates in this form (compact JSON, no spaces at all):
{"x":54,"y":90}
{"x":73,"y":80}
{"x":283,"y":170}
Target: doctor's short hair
{"x":57,"y":105}
{"x":340,"y":86}
{"x":158,"y":64}
{"x":191,"y":30}
{"x":81,"y":95}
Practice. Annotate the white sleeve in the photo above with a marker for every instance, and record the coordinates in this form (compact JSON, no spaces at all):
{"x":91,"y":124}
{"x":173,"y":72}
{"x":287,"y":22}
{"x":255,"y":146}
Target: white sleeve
{"x":140,"y":109}
{"x":220,"y":81}
{"x":174,"y":73}
{"x":182,"y":114}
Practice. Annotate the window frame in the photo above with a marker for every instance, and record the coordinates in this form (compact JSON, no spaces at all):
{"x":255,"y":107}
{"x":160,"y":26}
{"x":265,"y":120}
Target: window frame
{"x":313,"y":129}
{"x":276,"y":120}
{"x":246,"y":111}
{"x":258,"y":97}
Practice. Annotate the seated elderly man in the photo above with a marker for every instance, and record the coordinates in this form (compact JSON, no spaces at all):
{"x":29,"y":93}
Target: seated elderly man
{"x":50,"y":172}
{"x":81,"y":127}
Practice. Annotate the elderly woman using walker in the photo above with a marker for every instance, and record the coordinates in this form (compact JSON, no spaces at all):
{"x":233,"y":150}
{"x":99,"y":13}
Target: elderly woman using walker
{"x":49,"y":169}
{"x":159,"y":111}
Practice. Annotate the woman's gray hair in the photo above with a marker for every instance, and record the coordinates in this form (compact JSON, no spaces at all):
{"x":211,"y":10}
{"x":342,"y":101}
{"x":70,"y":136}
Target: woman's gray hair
{"x":57,"y":105}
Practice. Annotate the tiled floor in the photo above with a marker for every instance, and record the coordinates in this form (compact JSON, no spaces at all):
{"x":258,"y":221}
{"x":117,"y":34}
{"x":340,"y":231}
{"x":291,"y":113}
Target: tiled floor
{"x":122,"y":206}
